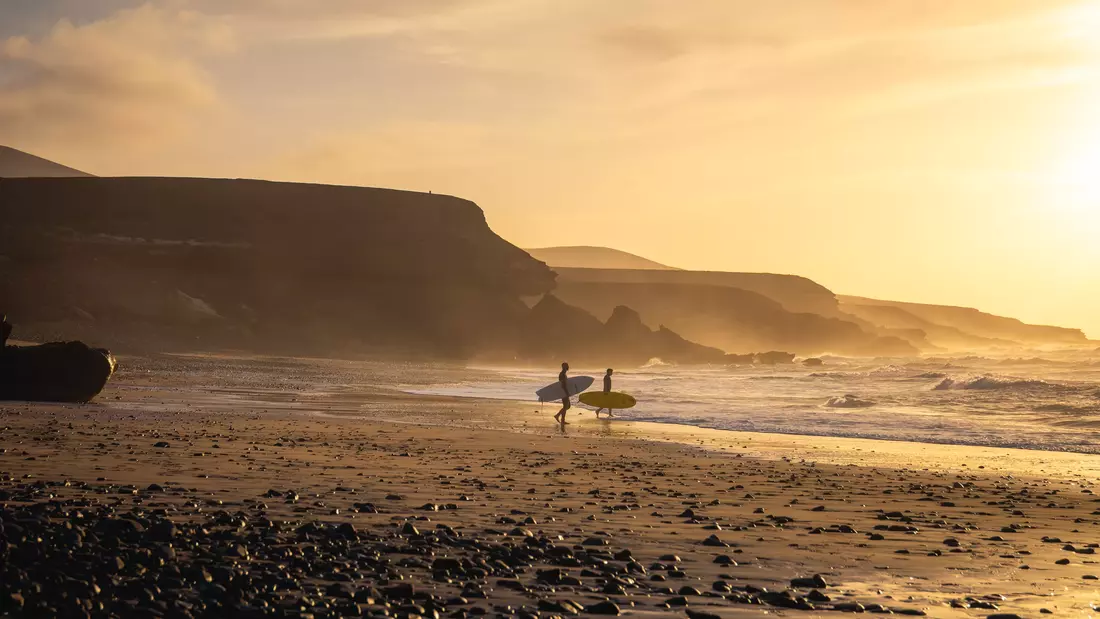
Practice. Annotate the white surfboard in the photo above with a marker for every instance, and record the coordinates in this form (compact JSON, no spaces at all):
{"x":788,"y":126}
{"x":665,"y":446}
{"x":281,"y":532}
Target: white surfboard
{"x":552,"y":392}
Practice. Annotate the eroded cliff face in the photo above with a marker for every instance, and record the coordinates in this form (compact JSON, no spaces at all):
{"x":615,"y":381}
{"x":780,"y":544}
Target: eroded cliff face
{"x":961,"y":328}
{"x":735,"y":320}
{"x":792,"y":292}
{"x":198,"y":263}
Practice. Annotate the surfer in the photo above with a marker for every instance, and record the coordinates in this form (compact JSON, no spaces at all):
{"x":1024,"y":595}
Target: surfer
{"x":606,"y":389}
{"x":563,"y":380}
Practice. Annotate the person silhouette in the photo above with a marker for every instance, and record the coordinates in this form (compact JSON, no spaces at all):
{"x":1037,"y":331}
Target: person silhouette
{"x":563,"y":380}
{"x":606,"y":389}
{"x":5,"y":330}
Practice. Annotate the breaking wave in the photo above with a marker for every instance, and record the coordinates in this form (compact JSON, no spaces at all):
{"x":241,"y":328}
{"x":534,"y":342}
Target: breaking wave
{"x":849,"y":401}
{"x":990,"y":383}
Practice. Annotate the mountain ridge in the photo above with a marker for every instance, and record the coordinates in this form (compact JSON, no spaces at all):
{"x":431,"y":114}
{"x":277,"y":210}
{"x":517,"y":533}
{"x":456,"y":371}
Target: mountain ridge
{"x":15,"y":163}
{"x":586,"y":255}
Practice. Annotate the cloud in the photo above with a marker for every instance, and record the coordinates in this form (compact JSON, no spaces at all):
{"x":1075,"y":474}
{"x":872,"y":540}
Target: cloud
{"x":130,"y":79}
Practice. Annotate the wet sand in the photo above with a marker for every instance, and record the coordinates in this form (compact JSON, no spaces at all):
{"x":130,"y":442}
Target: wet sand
{"x":243,"y":487}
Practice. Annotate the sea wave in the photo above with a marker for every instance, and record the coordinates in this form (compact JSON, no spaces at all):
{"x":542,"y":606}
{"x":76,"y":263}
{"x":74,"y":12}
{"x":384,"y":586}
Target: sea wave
{"x":1066,"y":408}
{"x":849,"y":401}
{"x":990,"y":382}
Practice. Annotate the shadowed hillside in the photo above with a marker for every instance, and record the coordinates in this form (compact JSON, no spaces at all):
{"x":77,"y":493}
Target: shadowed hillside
{"x":794,"y":293}
{"x":595,"y":257}
{"x":736,"y":320}
{"x":914,"y":328}
{"x":979,"y":328}
{"x":17,"y":164}
{"x":196,"y":263}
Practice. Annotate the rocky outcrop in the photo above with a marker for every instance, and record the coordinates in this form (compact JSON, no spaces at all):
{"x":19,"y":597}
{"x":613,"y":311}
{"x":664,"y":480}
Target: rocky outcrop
{"x":274,"y":267}
{"x":626,"y":331}
{"x":557,"y":331}
{"x":960,"y":327}
{"x":813,"y":362}
{"x":774,"y":357}
{"x":730,"y":318}
{"x":55,"y":372}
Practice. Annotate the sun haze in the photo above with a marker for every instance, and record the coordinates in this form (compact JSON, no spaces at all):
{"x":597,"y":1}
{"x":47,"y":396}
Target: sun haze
{"x":921,"y":150}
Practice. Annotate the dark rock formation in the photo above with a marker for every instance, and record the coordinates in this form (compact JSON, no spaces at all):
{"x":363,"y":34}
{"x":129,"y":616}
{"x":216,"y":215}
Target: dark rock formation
{"x":625,"y":331}
{"x":774,"y":357}
{"x":275,"y":267}
{"x":558,"y":331}
{"x":55,"y":372}
{"x":672,"y":347}
{"x":730,"y":318}
{"x":813,"y":362}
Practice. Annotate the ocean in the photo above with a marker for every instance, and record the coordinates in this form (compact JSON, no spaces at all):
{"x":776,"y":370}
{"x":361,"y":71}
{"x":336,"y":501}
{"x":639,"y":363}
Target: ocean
{"x":1038,"y":403}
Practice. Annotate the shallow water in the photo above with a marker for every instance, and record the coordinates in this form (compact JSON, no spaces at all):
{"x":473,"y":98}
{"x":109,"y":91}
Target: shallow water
{"x":1051,"y":404}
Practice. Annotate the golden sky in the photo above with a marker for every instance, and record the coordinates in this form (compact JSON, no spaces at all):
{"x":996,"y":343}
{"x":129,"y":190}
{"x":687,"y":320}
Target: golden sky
{"x":942,"y":151}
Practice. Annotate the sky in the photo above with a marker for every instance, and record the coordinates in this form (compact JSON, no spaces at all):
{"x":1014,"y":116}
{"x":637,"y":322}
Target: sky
{"x":920,"y":150}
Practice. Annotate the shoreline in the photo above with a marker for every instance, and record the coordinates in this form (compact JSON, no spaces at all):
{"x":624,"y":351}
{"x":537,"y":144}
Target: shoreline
{"x":386,"y":398}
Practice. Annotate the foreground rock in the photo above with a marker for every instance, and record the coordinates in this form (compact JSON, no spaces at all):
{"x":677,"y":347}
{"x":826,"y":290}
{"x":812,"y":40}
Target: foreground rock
{"x":55,"y":372}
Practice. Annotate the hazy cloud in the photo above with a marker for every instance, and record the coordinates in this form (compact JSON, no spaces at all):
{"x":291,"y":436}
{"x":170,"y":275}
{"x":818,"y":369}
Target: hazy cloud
{"x":129,"y":78}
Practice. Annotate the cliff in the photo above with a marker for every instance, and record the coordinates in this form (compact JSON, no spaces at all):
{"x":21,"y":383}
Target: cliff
{"x":274,"y":266}
{"x":924,"y":334}
{"x":594,"y":257}
{"x":963,"y":327}
{"x":730,"y":318}
{"x":17,"y":164}
{"x":793,"y":293}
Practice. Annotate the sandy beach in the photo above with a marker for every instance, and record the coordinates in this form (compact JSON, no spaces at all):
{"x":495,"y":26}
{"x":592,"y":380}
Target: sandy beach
{"x":266,"y":487}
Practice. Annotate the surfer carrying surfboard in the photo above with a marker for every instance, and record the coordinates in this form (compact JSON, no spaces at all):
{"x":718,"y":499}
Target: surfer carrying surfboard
{"x":563,"y":380}
{"x":606,"y":389}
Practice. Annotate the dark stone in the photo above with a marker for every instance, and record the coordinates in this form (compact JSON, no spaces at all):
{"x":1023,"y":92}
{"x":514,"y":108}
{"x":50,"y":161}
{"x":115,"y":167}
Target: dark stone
{"x":714,"y":540}
{"x":55,"y":372}
{"x":603,"y":608}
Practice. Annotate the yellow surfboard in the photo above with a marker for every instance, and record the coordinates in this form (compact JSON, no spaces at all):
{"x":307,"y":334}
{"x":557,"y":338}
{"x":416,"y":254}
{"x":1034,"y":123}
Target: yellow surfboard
{"x":611,"y":399}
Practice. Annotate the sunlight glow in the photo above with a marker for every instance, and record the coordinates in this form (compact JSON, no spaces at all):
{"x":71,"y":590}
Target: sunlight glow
{"x":1075,"y":185}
